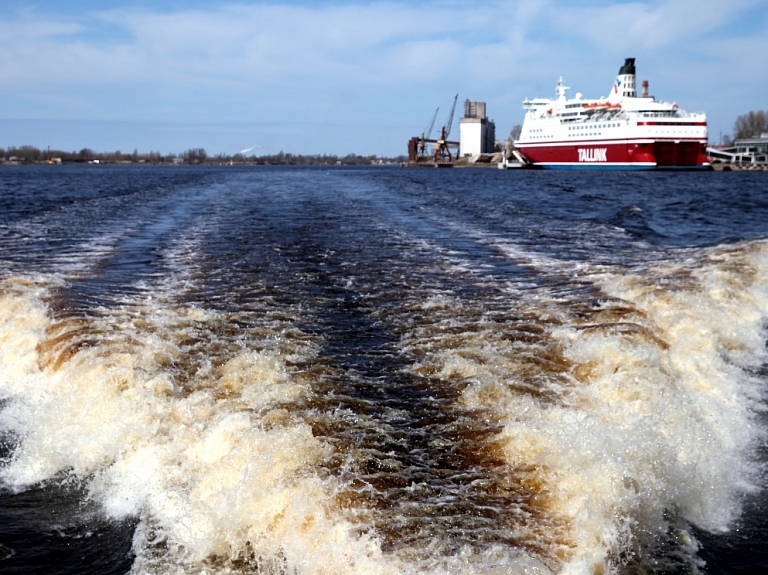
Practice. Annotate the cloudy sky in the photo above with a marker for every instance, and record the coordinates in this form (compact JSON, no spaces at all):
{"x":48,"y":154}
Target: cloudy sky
{"x":354,"y":76}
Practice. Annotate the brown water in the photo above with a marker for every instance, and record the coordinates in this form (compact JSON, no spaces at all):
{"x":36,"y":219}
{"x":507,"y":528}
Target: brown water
{"x":380,"y":370}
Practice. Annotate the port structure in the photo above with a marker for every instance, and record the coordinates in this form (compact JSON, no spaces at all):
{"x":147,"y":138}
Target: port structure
{"x":441,"y":147}
{"x":426,"y":136}
{"x":477,"y":132}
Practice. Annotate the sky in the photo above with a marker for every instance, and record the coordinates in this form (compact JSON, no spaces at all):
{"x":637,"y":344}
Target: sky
{"x":360,"y":77}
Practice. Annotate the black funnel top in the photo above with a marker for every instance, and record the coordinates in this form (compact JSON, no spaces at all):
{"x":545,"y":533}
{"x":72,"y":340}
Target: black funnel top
{"x":628,"y":67}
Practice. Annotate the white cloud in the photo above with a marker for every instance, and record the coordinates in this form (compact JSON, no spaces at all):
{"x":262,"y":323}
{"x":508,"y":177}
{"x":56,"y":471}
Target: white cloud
{"x":271,"y":41}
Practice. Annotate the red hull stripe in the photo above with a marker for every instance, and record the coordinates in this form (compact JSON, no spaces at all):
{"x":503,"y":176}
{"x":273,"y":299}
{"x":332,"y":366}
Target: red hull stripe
{"x":593,"y":154}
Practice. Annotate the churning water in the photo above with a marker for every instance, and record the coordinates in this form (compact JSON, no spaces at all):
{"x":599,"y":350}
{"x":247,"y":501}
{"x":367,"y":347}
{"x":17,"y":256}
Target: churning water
{"x":382,"y":371}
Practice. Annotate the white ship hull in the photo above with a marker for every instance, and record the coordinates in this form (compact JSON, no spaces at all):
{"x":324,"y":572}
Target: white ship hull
{"x":622,"y":131}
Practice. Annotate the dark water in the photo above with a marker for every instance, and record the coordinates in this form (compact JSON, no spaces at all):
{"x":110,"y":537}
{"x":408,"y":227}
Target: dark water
{"x":382,"y":370}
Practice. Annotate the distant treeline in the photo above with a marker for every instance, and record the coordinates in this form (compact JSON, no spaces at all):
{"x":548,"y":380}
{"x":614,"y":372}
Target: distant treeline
{"x":33,"y":155}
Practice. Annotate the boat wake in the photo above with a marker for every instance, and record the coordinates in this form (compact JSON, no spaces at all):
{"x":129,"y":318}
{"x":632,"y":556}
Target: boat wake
{"x":581,"y":425}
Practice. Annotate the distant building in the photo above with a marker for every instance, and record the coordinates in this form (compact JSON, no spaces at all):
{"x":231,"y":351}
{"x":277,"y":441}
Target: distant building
{"x":477,"y":134}
{"x":745,"y":151}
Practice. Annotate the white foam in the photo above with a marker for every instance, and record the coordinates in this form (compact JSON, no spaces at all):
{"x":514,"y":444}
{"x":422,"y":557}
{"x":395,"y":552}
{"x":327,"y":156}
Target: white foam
{"x":619,"y":418}
{"x":654,"y":417}
{"x":214,"y":467}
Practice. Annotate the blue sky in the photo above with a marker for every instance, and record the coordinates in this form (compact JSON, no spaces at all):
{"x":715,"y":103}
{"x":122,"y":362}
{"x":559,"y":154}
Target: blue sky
{"x":343,"y":77}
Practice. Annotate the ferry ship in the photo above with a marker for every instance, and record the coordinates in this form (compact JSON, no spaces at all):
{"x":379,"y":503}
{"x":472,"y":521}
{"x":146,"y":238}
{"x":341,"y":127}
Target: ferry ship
{"x":620,"y":131}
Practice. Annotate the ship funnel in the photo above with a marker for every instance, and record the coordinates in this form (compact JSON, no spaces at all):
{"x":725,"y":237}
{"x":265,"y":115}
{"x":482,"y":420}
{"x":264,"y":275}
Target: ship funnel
{"x":645,"y":88}
{"x":624,"y":85}
{"x":628,"y":69}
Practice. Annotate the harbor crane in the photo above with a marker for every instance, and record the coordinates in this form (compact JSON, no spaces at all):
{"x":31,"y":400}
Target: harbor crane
{"x":426,"y":135}
{"x":442,"y":152}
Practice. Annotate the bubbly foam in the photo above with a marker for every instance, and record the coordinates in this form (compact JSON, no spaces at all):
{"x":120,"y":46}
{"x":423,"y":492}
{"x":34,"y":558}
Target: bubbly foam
{"x":623,"y":408}
{"x":644,"y":404}
{"x":215,"y":466}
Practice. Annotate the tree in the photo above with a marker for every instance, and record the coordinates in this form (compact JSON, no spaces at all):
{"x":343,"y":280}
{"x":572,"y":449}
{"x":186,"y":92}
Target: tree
{"x":85,"y":154}
{"x":515,"y":133}
{"x":750,"y":125}
{"x":195,"y":156}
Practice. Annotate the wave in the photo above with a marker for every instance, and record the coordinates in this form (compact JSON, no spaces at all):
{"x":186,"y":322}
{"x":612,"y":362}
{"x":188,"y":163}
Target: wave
{"x":586,"y":423}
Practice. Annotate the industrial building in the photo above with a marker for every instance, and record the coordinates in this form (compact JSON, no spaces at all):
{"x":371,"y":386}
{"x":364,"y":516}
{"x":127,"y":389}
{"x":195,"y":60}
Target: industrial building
{"x":477,"y":137}
{"x":477,"y":134}
{"x":747,"y":151}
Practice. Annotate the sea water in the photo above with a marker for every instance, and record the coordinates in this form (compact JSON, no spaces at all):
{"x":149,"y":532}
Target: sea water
{"x":381,"y":370}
